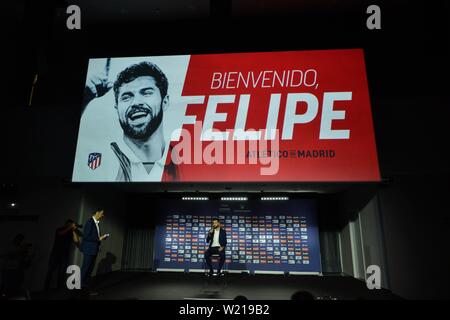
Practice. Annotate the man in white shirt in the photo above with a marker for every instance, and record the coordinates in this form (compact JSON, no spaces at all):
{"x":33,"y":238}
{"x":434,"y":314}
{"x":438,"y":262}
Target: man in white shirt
{"x":141,"y":97}
{"x":217,"y":239}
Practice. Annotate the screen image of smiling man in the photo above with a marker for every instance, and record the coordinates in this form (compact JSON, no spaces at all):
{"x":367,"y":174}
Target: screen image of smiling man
{"x":140,"y":93}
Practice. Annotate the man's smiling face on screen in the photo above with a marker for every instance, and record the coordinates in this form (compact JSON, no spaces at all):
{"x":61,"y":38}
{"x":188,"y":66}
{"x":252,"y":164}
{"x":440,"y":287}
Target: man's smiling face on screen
{"x":140,"y":107}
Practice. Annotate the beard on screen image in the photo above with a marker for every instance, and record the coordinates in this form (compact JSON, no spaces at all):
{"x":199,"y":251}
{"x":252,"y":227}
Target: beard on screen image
{"x":140,"y":108}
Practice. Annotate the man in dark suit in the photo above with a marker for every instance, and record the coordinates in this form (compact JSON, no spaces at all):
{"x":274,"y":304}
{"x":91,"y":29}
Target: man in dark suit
{"x":217,"y":238}
{"x":90,"y":245}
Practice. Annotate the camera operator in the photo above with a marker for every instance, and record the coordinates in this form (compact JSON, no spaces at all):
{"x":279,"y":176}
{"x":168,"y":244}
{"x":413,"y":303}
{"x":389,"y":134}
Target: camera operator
{"x":65,"y":238}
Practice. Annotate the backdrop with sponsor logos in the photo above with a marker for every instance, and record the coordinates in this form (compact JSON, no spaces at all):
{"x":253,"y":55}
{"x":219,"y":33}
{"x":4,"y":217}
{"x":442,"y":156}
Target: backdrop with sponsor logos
{"x":261,"y":235}
{"x":265,"y":116}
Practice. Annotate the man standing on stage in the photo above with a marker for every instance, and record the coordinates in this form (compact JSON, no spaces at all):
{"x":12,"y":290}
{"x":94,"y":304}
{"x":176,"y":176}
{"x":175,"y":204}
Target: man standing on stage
{"x":90,"y":245}
{"x":217,"y":238}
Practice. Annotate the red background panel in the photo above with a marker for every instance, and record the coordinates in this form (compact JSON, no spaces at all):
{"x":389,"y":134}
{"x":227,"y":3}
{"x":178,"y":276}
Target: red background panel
{"x":337,"y":71}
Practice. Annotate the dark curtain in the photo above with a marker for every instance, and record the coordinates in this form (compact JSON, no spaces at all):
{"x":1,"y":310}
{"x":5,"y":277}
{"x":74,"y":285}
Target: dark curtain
{"x":138,"y":249}
{"x":329,"y":252}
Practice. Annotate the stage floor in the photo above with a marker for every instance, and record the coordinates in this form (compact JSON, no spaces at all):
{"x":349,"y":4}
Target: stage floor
{"x":179,"y":286}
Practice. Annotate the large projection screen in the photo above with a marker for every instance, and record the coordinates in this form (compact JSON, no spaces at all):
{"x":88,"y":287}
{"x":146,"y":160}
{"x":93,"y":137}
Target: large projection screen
{"x":295,"y":116}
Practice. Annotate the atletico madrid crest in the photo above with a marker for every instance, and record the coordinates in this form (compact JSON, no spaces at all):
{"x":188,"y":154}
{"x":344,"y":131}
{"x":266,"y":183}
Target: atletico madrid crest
{"x":94,"y":160}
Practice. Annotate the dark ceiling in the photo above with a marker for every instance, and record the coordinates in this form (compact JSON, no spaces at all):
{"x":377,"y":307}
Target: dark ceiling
{"x":107,"y":11}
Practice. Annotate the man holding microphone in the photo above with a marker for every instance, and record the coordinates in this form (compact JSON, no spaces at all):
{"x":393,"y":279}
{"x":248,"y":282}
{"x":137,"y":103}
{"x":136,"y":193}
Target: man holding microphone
{"x":217,"y":238}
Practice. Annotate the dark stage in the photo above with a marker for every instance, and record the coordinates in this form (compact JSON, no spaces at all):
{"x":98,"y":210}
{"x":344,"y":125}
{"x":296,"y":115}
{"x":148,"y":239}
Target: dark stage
{"x":193,"y":286}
